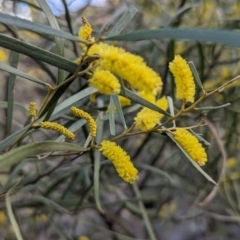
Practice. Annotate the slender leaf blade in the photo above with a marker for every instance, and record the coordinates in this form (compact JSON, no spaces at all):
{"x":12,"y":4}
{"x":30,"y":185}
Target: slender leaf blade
{"x":19,"y":73}
{"x":135,"y":98}
{"x":59,"y":42}
{"x":16,"y":155}
{"x":123,"y":21}
{"x":35,"y":27}
{"x":38,"y":53}
{"x":223,"y":37}
{"x":111,"y":116}
{"x":119,"y":110}
{"x":10,"y":94}
{"x":12,"y":217}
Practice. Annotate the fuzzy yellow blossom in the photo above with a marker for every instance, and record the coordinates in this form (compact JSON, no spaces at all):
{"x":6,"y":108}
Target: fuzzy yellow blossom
{"x":185,"y":86}
{"x":120,"y":160}
{"x":191,"y":145}
{"x":231,"y":162}
{"x":85,"y":31}
{"x":58,"y":128}
{"x":3,"y":218}
{"x":105,"y":82}
{"x":124,"y":101}
{"x":147,"y":118}
{"x":3,"y":55}
{"x":41,"y":218}
{"x":147,"y":96}
{"x":32,"y":109}
{"x":127,"y":66}
{"x":83,"y":238}
{"x":81,"y":114}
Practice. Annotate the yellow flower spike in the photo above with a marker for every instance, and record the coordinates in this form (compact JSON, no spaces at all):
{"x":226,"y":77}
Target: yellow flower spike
{"x":147,"y":96}
{"x":231,"y":162}
{"x":3,"y":218}
{"x":85,"y":31}
{"x":58,"y":128}
{"x":147,"y":118}
{"x":191,"y":145}
{"x":81,"y":114}
{"x":162,"y":103}
{"x":128,"y":66}
{"x":105,"y":82}
{"x":124,"y":101}
{"x":92,"y":97}
{"x":185,"y":86}
{"x":32,"y":109}
{"x":83,"y":238}
{"x":120,"y":160}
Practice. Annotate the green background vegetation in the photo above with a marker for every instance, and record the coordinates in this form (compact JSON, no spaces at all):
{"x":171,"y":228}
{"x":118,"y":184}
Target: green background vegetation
{"x":60,"y":196}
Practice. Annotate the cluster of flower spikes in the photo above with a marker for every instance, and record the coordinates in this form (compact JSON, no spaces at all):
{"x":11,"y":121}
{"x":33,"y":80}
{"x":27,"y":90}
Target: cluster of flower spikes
{"x":32,"y":109}
{"x":116,"y":61}
{"x":185,"y":90}
{"x":61,"y":129}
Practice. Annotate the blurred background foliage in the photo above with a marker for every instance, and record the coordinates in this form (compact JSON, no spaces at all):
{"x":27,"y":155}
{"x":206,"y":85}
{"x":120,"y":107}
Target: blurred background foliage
{"x":53,"y":197}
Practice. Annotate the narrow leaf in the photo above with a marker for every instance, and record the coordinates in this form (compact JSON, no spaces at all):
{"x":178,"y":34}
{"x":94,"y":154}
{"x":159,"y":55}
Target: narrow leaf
{"x":112,"y":116}
{"x":224,"y":37}
{"x":171,"y":108}
{"x":38,"y":53}
{"x":195,"y":74}
{"x":10,"y":139}
{"x":64,"y":106}
{"x":19,"y":73}
{"x":59,"y":42}
{"x":35,"y":27}
{"x":12,"y":217}
{"x":123,"y":21}
{"x":137,"y":99}
{"x":97,"y":158}
{"x":18,"y":154}
{"x":154,"y":170}
{"x":10,"y":93}
{"x":213,"y":107}
{"x":200,"y":138}
{"x":119,"y":110}
{"x":144,"y":214}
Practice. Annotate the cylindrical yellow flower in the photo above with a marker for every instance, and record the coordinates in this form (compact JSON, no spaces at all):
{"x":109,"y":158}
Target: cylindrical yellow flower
{"x":58,"y":128}
{"x":191,"y":145}
{"x":185,"y":86}
{"x":85,"y":31}
{"x":124,"y":101}
{"x":147,"y":118}
{"x":3,"y":218}
{"x":120,"y":160}
{"x":81,"y":114}
{"x":32,"y":109}
{"x":83,"y":238}
{"x":128,"y":66}
{"x":147,"y":96}
{"x":105,"y":82}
